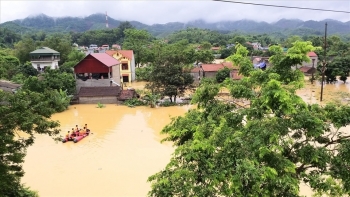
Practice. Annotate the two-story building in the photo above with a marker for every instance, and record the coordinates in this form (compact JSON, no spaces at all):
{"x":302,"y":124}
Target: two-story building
{"x":127,"y":64}
{"x":44,"y":57}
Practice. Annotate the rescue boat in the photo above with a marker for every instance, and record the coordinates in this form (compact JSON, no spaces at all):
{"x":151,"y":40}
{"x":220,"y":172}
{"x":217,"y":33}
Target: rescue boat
{"x":75,"y":138}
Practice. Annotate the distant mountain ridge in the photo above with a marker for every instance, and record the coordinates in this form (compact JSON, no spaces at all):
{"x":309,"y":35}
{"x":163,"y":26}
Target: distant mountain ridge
{"x":46,"y":23}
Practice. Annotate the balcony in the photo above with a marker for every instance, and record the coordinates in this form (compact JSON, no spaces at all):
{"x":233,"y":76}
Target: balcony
{"x":44,"y":59}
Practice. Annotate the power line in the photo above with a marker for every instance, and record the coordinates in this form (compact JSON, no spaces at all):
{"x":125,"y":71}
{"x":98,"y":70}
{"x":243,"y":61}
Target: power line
{"x":282,"y":6}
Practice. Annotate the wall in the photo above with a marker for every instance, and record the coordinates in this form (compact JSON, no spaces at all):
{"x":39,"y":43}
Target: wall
{"x":95,"y":100}
{"x":91,"y":83}
{"x":52,"y":64}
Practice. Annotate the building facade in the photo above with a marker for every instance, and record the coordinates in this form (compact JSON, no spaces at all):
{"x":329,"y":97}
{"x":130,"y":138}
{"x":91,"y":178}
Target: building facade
{"x":44,"y":57}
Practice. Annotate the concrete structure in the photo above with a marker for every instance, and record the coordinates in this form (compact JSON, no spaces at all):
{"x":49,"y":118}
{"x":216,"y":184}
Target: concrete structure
{"x":127,"y":66}
{"x":9,"y":86}
{"x":103,"y":95}
{"x":44,"y":57}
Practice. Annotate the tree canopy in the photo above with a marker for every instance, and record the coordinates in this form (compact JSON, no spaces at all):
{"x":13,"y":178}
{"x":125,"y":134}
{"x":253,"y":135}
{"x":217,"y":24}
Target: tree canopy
{"x":264,"y":141}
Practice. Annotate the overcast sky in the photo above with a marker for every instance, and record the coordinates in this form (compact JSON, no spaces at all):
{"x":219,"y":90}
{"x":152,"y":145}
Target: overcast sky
{"x":152,"y":12}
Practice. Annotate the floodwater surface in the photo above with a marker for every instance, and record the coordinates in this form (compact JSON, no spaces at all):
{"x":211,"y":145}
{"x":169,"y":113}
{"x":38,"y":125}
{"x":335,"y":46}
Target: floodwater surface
{"x":115,"y":160}
{"x":123,"y":150}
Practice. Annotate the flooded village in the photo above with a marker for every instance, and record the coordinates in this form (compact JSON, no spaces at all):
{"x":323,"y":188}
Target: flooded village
{"x":98,"y":107}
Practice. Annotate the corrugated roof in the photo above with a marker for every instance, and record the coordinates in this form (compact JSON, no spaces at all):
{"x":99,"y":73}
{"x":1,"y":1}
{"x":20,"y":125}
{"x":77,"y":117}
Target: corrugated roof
{"x":45,"y":50}
{"x":99,"y":91}
{"x":105,"y":59}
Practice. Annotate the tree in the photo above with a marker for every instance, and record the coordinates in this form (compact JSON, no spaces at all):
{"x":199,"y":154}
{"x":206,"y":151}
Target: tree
{"x":138,"y":41}
{"x":264,"y":142}
{"x":23,"y":48}
{"x":61,"y":43}
{"x":8,"y":65}
{"x":222,"y":74}
{"x":204,"y":56}
{"x":170,"y":69}
{"x":25,"y":113}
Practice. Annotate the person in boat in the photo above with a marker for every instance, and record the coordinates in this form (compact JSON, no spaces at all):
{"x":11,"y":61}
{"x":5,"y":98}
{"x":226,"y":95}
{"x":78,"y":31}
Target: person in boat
{"x":77,"y":133}
{"x":72,"y":133}
{"x":68,"y":135}
{"x":83,"y":131}
{"x":86,"y":128}
{"x":76,"y":128}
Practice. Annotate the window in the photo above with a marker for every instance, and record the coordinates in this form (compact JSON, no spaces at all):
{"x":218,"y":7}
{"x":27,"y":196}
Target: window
{"x":125,"y":66}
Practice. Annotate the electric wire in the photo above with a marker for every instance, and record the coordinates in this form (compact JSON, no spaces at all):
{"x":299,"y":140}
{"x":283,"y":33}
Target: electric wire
{"x":282,"y":6}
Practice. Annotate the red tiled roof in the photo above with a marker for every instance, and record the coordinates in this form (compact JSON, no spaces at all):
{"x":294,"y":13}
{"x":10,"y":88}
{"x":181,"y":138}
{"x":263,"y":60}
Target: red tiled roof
{"x":312,"y":54}
{"x":212,"y":67}
{"x":110,"y":52}
{"x":105,"y":59}
{"x":126,"y":53}
{"x":195,"y":70}
{"x":99,"y":91}
{"x":306,"y":69}
{"x":230,"y":65}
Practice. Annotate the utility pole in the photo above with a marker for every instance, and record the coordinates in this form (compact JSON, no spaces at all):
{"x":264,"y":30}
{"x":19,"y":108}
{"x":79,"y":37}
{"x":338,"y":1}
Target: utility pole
{"x":324,"y":60}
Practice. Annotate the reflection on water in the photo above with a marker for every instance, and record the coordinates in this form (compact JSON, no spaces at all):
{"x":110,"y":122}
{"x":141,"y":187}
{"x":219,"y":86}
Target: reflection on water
{"x":115,"y":160}
{"x":122,"y":151}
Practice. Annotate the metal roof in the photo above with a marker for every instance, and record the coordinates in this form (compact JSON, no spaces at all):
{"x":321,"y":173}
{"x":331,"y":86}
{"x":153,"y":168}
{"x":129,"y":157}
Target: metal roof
{"x":45,"y":50}
{"x":105,"y":59}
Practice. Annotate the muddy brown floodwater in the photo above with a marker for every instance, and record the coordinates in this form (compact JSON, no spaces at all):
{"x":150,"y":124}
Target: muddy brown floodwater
{"x":115,"y":160}
{"x":123,"y":150}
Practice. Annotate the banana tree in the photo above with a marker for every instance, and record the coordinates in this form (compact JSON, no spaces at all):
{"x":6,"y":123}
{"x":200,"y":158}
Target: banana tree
{"x":151,"y":99}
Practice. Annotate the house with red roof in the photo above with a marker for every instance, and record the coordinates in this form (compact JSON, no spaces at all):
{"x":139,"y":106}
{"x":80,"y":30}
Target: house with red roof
{"x":97,"y":70}
{"x":127,"y":64}
{"x":210,"y":70}
{"x":309,"y":67}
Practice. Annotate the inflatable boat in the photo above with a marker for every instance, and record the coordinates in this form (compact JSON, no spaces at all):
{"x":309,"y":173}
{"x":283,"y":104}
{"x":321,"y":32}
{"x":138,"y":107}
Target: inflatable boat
{"x":75,"y":138}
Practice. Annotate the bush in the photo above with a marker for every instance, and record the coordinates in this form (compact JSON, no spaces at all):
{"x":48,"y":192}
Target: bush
{"x":134,"y":102}
{"x":167,"y":103}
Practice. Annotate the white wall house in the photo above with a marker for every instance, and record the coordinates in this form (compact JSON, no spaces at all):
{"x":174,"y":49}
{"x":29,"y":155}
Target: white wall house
{"x":44,"y":57}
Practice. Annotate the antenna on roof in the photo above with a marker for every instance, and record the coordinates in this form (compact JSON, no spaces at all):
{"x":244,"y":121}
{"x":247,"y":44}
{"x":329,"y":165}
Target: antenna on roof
{"x":106,"y":20}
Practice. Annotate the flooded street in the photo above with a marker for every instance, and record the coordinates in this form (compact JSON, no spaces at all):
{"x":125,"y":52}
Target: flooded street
{"x":121,"y":152}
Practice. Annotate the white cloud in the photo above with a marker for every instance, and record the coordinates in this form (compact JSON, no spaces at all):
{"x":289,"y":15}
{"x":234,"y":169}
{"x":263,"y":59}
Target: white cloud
{"x":151,"y":12}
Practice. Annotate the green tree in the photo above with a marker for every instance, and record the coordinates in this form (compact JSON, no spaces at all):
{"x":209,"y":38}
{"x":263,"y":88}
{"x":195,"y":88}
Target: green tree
{"x":203,"y":56}
{"x":222,"y":74}
{"x":23,"y":48}
{"x":138,"y":41}
{"x":61,"y":43}
{"x":23,"y":115}
{"x":263,"y":143}
{"x":8,"y":65}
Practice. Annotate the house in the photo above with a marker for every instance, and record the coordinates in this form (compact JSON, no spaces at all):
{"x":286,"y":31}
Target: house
{"x":9,"y":86}
{"x":127,"y":66}
{"x":308,"y":68}
{"x":44,"y":57}
{"x":97,"y":70}
{"x":210,"y":70}
{"x":116,"y":47}
{"x":255,"y":45}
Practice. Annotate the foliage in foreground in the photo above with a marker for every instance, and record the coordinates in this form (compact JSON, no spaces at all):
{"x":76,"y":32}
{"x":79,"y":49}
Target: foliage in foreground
{"x":23,"y":115}
{"x":263,"y":143}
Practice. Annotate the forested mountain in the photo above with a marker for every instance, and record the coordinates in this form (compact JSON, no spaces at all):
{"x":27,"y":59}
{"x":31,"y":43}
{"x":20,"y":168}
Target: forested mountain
{"x":98,"y":21}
